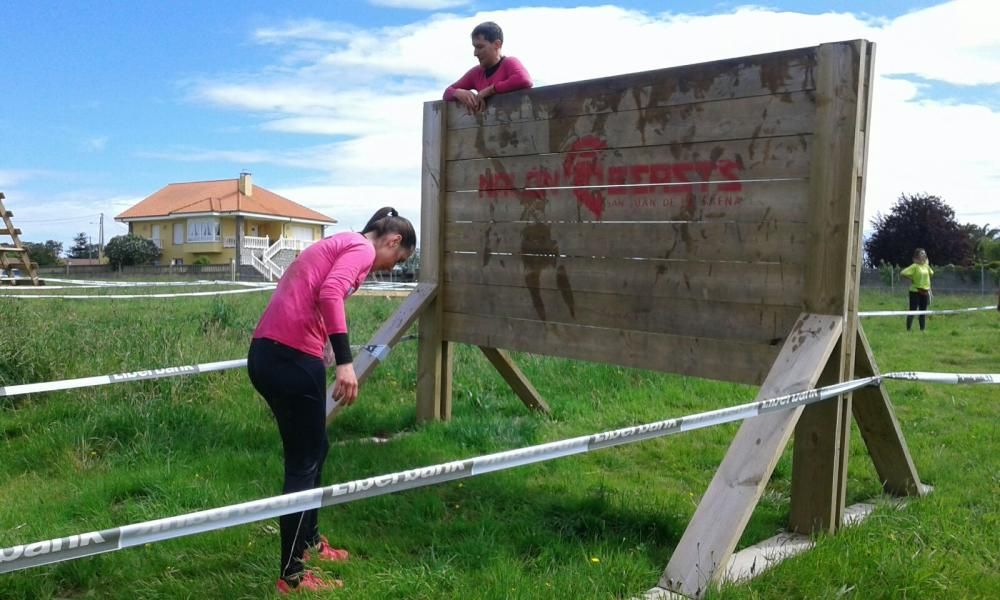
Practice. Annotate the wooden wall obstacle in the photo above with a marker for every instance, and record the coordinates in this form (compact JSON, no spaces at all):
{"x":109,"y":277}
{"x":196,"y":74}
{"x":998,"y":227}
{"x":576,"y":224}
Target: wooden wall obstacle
{"x":702,"y":220}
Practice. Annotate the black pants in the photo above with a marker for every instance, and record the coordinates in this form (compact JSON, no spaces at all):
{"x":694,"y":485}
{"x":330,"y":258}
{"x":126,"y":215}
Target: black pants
{"x":294,"y":385}
{"x":918,"y":301}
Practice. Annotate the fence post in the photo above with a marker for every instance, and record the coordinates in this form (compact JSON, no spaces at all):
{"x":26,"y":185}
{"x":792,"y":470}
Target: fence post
{"x":232,"y":264}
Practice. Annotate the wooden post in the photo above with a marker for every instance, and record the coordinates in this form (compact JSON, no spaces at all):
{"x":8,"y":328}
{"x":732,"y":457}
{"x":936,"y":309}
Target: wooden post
{"x":704,"y":550}
{"x":515,"y":379}
{"x":434,"y":362}
{"x":836,"y":205}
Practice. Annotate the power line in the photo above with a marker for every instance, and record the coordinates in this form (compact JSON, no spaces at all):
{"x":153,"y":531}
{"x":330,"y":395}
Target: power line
{"x":59,"y":220}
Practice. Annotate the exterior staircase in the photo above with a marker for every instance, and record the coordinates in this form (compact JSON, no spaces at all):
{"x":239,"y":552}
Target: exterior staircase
{"x":270,"y":261}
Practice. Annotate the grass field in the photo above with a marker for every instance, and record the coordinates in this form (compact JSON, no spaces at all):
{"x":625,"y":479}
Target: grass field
{"x":600,"y":525}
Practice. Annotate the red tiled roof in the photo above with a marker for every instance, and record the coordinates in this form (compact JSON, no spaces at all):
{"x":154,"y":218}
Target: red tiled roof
{"x":218,"y":196}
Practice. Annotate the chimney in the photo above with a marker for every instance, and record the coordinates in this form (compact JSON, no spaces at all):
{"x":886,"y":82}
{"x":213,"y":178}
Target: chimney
{"x":246,"y":184}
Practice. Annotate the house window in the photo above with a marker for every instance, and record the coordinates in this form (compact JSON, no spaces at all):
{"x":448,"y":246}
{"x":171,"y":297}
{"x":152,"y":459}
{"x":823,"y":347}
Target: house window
{"x":178,"y":234}
{"x":302,"y":233}
{"x":203,"y":230}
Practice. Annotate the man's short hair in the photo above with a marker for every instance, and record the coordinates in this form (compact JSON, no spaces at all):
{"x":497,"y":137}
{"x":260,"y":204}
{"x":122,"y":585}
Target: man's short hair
{"x":490,"y":31}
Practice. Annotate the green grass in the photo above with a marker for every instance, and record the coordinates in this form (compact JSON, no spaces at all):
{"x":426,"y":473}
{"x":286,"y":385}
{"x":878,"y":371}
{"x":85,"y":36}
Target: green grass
{"x":95,"y":458}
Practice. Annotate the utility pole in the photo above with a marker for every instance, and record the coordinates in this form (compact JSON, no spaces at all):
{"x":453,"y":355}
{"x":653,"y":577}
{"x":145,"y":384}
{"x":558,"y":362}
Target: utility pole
{"x":100,"y":248}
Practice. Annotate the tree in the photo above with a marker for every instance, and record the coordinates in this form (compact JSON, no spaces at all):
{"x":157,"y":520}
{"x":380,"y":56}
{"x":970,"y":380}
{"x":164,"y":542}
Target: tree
{"x":130,"y":249}
{"x":982,"y":238}
{"x":918,"y":221}
{"x":44,"y":255}
{"x":82,"y":248}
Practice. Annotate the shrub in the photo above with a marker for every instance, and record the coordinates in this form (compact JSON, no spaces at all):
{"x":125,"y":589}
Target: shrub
{"x":130,"y":249}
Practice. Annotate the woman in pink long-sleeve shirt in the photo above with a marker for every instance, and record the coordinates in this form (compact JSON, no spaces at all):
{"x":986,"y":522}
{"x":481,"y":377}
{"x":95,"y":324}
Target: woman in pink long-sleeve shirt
{"x":286,"y":366}
{"x":495,"y":74}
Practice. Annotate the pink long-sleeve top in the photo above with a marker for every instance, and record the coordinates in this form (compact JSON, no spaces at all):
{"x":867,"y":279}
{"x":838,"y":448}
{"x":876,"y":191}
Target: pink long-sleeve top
{"x":308,"y":304}
{"x":510,"y":76}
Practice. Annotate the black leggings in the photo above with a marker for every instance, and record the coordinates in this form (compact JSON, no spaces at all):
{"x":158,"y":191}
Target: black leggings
{"x":294,"y":385}
{"x":918,"y":302}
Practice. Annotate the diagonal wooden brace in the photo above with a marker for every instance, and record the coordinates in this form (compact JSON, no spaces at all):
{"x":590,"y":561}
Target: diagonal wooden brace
{"x":515,"y":379}
{"x":880,"y":430}
{"x":386,"y":337}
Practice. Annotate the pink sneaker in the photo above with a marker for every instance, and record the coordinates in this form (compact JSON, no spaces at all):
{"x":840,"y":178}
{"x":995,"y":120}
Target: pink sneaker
{"x":309,"y":582}
{"x":327,"y":552}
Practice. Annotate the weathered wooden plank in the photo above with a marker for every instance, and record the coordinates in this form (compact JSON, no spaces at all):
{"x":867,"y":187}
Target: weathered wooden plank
{"x":544,"y":242}
{"x":433,"y":366}
{"x":680,"y":168}
{"x":704,"y":550}
{"x":712,"y":359}
{"x":754,"y":202}
{"x":831,"y":276}
{"x":9,"y":232}
{"x":387,"y":335}
{"x":880,"y":429}
{"x":777,"y":284}
{"x":764,"y":74}
{"x":754,"y":117}
{"x":756,"y":324}
{"x":515,"y":378}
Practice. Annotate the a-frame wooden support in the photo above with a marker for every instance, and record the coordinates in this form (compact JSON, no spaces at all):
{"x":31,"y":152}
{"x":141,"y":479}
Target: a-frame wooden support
{"x":704,"y":550}
{"x":16,"y":255}
{"x":718,"y":522}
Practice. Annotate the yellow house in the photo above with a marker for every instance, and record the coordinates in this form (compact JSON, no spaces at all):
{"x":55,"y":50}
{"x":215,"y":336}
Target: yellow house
{"x":223,"y":221}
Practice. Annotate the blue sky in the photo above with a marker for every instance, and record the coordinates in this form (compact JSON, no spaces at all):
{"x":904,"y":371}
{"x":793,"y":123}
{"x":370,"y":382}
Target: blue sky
{"x":105,"y":102}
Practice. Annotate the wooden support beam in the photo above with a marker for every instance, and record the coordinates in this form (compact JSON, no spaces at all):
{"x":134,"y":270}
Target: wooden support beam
{"x":9,"y":232}
{"x":387,"y":336}
{"x":831,"y":281}
{"x":434,"y":360}
{"x":515,"y":378}
{"x":880,"y":430}
{"x":817,"y":444}
{"x":704,"y":550}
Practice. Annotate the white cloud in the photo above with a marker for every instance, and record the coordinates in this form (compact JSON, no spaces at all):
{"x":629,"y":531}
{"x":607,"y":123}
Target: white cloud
{"x":365,"y":88}
{"x":13,"y":177}
{"x":353,"y":205}
{"x":420,"y":4}
{"x":96,"y":144}
{"x":61,"y":216}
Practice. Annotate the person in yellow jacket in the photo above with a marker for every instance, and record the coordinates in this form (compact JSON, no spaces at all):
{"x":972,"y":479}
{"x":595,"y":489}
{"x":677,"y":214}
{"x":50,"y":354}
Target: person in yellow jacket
{"x":919,"y":274}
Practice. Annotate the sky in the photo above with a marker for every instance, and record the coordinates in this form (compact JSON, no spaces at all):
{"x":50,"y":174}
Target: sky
{"x":104,"y":103}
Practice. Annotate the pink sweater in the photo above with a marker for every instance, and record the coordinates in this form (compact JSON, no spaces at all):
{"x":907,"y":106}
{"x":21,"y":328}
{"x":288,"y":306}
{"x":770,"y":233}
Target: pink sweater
{"x":510,"y":76}
{"x":308,"y":304}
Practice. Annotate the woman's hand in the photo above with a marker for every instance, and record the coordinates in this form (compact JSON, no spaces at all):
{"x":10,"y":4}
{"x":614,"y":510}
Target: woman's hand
{"x":345,"y":388}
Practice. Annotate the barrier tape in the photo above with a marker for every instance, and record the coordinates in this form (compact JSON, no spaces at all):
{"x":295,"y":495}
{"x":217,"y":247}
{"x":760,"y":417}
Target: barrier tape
{"x":133,"y":296}
{"x":87,"y":544}
{"x":67,"y":384}
{"x":45,"y":288}
{"x":108,"y":283}
{"x":379,"y":351}
{"x":900,"y":313}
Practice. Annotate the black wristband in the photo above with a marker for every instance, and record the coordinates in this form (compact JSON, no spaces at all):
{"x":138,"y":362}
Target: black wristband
{"x":341,"y":348}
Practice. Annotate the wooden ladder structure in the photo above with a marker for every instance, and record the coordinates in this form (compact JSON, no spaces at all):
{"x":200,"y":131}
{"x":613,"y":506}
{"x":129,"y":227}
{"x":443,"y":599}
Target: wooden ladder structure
{"x":16,"y":255}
